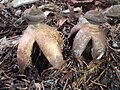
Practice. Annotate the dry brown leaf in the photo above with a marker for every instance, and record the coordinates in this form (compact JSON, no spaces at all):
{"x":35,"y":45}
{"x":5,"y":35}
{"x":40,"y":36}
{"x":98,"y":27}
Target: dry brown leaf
{"x":61,"y":21}
{"x":49,"y":41}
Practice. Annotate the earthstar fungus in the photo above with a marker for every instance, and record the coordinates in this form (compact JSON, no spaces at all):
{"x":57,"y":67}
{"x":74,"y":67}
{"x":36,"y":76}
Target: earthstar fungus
{"x":49,"y":41}
{"x":84,"y":33}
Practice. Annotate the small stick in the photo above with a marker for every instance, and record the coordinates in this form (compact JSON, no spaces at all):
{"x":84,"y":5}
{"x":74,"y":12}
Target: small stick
{"x":98,"y":77}
{"x":64,"y":88}
{"x":99,"y":84}
{"x":42,"y":85}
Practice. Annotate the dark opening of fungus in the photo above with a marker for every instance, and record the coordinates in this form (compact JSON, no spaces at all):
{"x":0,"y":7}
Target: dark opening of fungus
{"x":38,"y":59}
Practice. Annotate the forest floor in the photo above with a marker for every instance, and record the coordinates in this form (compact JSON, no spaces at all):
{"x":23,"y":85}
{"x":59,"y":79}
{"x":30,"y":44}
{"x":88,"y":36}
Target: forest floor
{"x":86,"y":74}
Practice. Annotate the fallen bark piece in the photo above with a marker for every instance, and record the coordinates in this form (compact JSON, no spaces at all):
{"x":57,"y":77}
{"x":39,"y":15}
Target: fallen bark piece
{"x":17,"y":3}
{"x":113,"y":11}
{"x":49,"y":41}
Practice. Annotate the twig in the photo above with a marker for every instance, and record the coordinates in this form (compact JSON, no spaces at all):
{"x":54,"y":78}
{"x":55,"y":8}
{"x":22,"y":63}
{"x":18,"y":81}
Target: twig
{"x":19,"y":88}
{"x":118,"y":28}
{"x":26,"y":81}
{"x":98,"y":77}
{"x":43,"y":88}
{"x":7,"y":76}
{"x":101,"y":88}
{"x":117,"y":50}
{"x":88,"y":79}
{"x":112,"y":55}
{"x":64,"y":88}
{"x":99,"y":84}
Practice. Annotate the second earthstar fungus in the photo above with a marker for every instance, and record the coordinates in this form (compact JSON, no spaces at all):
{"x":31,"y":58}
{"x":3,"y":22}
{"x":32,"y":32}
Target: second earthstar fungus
{"x":48,"y":40}
{"x":83,"y":32}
